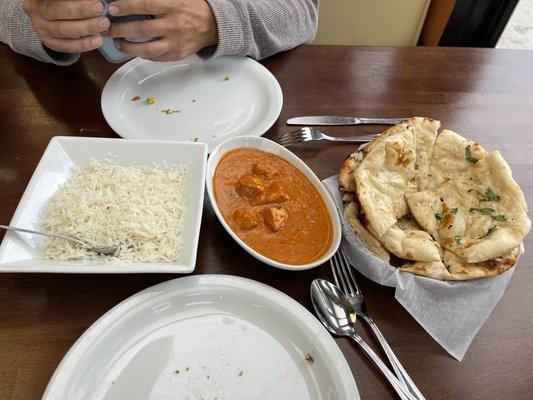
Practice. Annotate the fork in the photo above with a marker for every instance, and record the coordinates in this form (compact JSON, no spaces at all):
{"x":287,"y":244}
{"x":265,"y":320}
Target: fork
{"x":103,"y":250}
{"x":345,"y":279}
{"x":308,"y":134}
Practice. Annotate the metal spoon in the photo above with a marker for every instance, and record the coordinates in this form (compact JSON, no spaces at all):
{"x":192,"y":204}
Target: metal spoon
{"x":337,"y":314}
{"x":103,"y":250}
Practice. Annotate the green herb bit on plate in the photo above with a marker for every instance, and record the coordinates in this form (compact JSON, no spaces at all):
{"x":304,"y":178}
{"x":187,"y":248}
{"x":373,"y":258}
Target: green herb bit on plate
{"x":489,"y":232}
{"x":150,"y":100}
{"x":490,"y":212}
{"x":438,"y":216}
{"x":169,"y":111}
{"x":489,"y":195}
{"x":468,"y":155}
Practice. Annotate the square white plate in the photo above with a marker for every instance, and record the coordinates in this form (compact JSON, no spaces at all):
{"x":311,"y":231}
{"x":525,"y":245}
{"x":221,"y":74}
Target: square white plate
{"x":21,"y":252}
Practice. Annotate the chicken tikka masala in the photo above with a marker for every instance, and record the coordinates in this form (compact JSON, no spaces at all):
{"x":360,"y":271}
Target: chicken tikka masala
{"x":272,"y":206}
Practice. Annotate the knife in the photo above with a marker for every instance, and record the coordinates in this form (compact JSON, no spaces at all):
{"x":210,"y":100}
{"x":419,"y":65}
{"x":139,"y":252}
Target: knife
{"x":329,"y":120}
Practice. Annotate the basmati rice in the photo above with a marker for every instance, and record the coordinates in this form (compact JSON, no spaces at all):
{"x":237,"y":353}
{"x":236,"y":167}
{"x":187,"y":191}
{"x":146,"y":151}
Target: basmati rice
{"x":139,"y":207}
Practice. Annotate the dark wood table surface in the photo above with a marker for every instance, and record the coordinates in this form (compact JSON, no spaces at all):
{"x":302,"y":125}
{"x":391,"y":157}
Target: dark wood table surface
{"x":484,"y":94}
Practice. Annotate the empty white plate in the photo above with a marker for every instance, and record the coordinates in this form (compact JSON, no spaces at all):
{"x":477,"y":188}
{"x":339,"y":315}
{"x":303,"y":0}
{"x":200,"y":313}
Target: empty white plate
{"x":194,"y":100}
{"x":211,"y":337}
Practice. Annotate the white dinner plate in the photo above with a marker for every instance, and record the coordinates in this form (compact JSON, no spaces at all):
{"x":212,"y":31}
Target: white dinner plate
{"x":211,"y":337}
{"x":22,"y":252}
{"x":227,"y":97}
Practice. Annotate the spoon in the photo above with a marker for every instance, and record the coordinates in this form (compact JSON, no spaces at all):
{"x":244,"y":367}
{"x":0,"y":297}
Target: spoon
{"x":337,"y":314}
{"x":103,"y":250}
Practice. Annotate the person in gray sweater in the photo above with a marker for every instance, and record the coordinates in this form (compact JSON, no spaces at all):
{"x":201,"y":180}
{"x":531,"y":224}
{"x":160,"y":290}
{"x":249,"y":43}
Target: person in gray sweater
{"x":57,"y":31}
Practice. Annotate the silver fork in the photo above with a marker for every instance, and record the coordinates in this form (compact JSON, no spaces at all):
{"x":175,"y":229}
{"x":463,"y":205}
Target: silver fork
{"x":308,"y":134}
{"x":103,"y":250}
{"x":345,"y":279}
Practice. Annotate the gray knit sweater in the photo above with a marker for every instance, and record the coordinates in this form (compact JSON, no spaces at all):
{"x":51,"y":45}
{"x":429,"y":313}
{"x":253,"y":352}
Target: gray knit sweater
{"x":255,"y":28}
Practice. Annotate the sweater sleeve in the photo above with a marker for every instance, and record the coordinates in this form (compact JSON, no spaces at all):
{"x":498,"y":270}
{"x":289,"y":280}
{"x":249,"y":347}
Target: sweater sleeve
{"x":17,"y":31}
{"x":260,"y":28}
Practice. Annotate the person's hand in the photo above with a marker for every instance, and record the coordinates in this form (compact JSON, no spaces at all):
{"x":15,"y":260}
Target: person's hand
{"x":180,"y":28}
{"x":68,"y":26}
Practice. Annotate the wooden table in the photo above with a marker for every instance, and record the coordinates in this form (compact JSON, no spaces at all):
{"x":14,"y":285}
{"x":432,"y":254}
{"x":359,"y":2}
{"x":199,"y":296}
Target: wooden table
{"x":486,"y":95}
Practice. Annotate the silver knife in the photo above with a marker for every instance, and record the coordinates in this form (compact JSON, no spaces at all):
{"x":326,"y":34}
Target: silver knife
{"x":330,"y":120}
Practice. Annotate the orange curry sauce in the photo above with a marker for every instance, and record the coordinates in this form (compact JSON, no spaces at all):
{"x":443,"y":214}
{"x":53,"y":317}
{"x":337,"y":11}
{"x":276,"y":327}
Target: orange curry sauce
{"x":272,"y":206}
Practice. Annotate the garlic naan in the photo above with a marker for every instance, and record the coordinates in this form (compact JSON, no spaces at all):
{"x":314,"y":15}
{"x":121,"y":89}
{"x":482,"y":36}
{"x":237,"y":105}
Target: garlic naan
{"x":452,"y":268}
{"x":346,"y":177}
{"x":425,"y":134}
{"x":389,"y":170}
{"x":439,"y":201}
{"x":452,"y":154}
{"x":479,"y":215}
{"x":351,"y":213}
{"x":411,"y":244}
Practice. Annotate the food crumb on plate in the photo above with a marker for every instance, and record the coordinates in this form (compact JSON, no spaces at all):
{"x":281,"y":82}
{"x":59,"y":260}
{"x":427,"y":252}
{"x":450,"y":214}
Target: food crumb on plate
{"x":136,"y":98}
{"x":194,"y":139}
{"x":186,"y":368}
{"x":150,"y":100}
{"x":241,"y":373}
{"x":170,"y":111}
{"x":176,"y":372}
{"x":309,"y":358}
{"x":226,"y":78}
{"x":194,"y":100}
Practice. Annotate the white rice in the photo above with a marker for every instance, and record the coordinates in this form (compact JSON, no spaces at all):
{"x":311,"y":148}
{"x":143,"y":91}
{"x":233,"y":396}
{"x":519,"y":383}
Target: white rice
{"x":141,"y":208}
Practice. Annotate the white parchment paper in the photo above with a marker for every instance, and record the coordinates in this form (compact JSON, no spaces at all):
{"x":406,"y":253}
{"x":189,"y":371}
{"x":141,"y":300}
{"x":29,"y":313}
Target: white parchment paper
{"x":451,"y":312}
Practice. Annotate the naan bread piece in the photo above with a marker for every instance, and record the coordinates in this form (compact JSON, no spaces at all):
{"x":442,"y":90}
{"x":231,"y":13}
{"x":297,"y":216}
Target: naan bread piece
{"x":411,"y":244}
{"x":393,"y":130}
{"x":346,"y":178}
{"x":346,"y":174}
{"x":351,"y":206}
{"x":384,"y":176}
{"x":394,"y":164}
{"x":452,"y":154}
{"x":424,"y":206}
{"x":425,"y":134}
{"x":452,"y":268}
{"x":351,"y":212}
{"x":483,"y":213}
{"x":407,"y":240}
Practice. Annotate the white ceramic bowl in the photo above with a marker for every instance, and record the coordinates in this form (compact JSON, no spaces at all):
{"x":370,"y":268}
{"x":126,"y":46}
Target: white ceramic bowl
{"x":22,"y":252}
{"x":272,"y":147}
